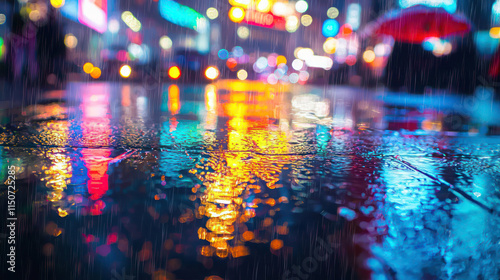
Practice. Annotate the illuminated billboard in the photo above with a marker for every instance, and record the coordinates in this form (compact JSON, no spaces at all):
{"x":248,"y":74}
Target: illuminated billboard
{"x":94,"y":14}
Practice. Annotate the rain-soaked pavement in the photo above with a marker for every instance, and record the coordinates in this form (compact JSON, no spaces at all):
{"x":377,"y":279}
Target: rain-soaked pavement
{"x":238,"y":180}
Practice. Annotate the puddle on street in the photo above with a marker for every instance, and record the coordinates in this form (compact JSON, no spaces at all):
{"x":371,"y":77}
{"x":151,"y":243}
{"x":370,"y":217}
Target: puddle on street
{"x":224,"y":181}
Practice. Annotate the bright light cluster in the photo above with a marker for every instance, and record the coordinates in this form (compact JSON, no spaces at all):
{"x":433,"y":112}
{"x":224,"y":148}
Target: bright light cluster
{"x":132,"y":22}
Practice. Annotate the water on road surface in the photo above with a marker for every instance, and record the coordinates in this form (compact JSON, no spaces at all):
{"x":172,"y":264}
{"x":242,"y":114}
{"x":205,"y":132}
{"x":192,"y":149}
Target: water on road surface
{"x":241,"y":180}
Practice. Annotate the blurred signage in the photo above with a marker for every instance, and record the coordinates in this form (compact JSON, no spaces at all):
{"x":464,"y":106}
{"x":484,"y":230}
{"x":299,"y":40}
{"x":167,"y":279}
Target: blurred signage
{"x":495,"y":13}
{"x":267,"y":20}
{"x":94,"y":14}
{"x":183,"y":16}
{"x":449,"y":5}
{"x":354,"y":16}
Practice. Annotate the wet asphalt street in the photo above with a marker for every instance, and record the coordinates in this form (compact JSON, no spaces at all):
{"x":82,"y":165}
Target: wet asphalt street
{"x":241,"y":180}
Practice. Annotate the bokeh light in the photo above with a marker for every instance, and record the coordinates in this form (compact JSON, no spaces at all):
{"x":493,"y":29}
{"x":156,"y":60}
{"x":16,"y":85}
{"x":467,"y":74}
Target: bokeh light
{"x":301,"y":6}
{"x":330,"y":45}
{"x":236,"y":14}
{"x":125,"y":71}
{"x":369,"y":56}
{"x":70,"y":41}
{"x":212,"y":13}
{"x":132,"y":22}
{"x":242,"y":74}
{"x":57,"y":3}
{"x":297,"y":64}
{"x":95,"y":73}
{"x":212,"y":73}
{"x":174,"y":72}
{"x":165,"y":42}
{"x":243,"y":32}
{"x":113,"y":26}
{"x":231,"y":63}
{"x":280,"y":60}
{"x":3,"y":18}
{"x":223,"y":54}
{"x":264,"y":6}
{"x":87,"y":67}
{"x":306,"y":20}
{"x":330,"y":28}
{"x":495,"y":32}
{"x":292,"y":24}
{"x":332,"y":12}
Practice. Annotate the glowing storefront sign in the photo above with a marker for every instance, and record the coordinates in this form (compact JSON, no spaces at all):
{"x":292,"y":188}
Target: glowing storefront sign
{"x":94,"y":14}
{"x":267,"y":20}
{"x":449,"y":5}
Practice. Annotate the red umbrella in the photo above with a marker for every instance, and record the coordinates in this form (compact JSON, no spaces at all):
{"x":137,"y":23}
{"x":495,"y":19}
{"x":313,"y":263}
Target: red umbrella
{"x":415,"y":24}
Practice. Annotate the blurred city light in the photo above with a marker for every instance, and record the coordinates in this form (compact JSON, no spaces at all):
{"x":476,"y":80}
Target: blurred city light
{"x":306,"y":20}
{"x":437,"y":46}
{"x":495,"y":13}
{"x":236,"y":14}
{"x":94,"y":14}
{"x":231,"y":63}
{"x":264,"y":6}
{"x":125,"y":71}
{"x":212,"y":73}
{"x":87,"y":67}
{"x":241,"y":3}
{"x":369,"y":56}
{"x":301,"y":6}
{"x":113,"y":26}
{"x":280,"y":60}
{"x":297,"y":64}
{"x":132,"y":22}
{"x":3,"y":18}
{"x":332,"y":12}
{"x":57,"y":3}
{"x":305,"y":53}
{"x":174,"y":72}
{"x":243,"y":32}
{"x":165,"y":42}
{"x":353,"y":17}
{"x":292,"y":24}
{"x":242,"y":74}
{"x":345,"y":30}
{"x":449,"y":5}
{"x":223,"y":54}
{"x":283,"y":9}
{"x":70,"y":41}
{"x":317,"y":61}
{"x":95,"y":73}
{"x":330,"y":45}
{"x":212,"y":13}
{"x":495,"y":32}
{"x":330,"y":28}
{"x":182,"y":15}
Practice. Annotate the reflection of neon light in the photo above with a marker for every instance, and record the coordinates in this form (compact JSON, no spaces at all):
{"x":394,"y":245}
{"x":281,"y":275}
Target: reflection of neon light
{"x":174,"y":104}
{"x":182,"y":15}
{"x":94,"y":14}
{"x":96,"y":131}
{"x":96,"y":161}
{"x":449,"y":5}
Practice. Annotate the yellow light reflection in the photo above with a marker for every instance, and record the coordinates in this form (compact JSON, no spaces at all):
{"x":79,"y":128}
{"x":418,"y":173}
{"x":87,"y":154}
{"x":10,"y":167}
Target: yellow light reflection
{"x":233,"y":171}
{"x":174,"y":104}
